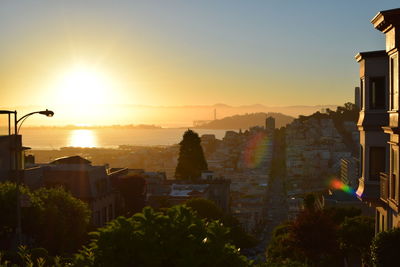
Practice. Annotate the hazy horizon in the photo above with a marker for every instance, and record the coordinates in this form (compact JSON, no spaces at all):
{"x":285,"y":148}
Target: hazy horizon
{"x":163,"y":116}
{"x":88,"y":60}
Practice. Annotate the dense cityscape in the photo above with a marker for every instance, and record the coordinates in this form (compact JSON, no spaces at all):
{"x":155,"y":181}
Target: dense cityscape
{"x":320,"y":189}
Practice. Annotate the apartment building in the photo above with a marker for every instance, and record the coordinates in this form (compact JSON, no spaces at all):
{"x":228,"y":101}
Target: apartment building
{"x":83,"y":180}
{"x":388,"y":216}
{"x":379,"y":123}
{"x":373,"y":116}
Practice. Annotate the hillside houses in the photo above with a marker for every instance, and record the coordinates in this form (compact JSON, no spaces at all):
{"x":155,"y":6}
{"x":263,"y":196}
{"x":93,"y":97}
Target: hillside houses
{"x":314,"y":148}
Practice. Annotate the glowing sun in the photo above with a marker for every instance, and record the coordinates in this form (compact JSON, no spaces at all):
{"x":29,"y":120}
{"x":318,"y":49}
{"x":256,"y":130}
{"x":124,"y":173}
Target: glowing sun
{"x":83,"y":84}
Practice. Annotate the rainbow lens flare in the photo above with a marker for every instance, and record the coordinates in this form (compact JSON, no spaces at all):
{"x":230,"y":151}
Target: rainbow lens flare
{"x":256,"y":150}
{"x":339,"y":185}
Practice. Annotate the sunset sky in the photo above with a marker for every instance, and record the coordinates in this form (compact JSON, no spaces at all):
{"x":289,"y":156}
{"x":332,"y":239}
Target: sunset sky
{"x":75,"y":56}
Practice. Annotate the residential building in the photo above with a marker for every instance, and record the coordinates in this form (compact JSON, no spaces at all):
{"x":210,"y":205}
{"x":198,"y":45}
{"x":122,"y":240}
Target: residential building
{"x":357,"y":97}
{"x":173,"y":192}
{"x":373,"y":116}
{"x":387,"y":215}
{"x":314,"y":148}
{"x":84,"y":181}
{"x":9,"y":144}
{"x":349,"y":171}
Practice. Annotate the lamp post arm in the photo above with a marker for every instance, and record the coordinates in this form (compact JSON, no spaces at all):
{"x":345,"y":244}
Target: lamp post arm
{"x":46,"y":112}
{"x":26,"y":115}
{"x":22,"y":122}
{"x":23,"y":118}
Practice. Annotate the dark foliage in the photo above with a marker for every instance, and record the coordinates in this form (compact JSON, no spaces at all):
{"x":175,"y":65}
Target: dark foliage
{"x":63,"y":222}
{"x":315,"y":236}
{"x":338,"y":215}
{"x":8,"y":220}
{"x":176,"y":237}
{"x":323,"y":238}
{"x":385,"y":248}
{"x":355,"y":235}
{"x":207,"y":209}
{"x":282,"y":245}
{"x":54,"y":219}
{"x":191,"y":160}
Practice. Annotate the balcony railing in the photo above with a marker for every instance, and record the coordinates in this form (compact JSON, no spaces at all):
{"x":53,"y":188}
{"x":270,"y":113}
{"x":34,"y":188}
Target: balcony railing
{"x":384,"y":186}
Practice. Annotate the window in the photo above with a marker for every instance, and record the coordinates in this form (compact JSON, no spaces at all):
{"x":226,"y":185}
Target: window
{"x":377,"y":162}
{"x":361,"y":163}
{"x":378,"y":221}
{"x":394,"y":82}
{"x":394,"y":174}
{"x":377,"y":93}
{"x":395,"y":161}
{"x":362,"y":83}
{"x":383,"y":223}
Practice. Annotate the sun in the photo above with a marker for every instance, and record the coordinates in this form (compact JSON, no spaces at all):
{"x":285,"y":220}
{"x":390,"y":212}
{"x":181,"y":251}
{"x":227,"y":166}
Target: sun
{"x":86,"y":93}
{"x":83,"y":93}
{"x":83,"y":84}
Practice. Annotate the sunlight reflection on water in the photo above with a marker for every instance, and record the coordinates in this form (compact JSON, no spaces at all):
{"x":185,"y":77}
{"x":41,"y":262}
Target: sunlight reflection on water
{"x":82,"y":138}
{"x":48,"y":138}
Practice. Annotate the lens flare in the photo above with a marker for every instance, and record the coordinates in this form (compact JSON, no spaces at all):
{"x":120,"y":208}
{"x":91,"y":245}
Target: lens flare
{"x":256,"y":150}
{"x":339,"y":185}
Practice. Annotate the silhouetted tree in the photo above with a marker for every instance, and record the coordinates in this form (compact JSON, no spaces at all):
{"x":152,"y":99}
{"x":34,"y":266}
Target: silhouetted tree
{"x":54,"y":219}
{"x":8,"y":219}
{"x":355,"y":235}
{"x":311,"y":239}
{"x":338,"y":215}
{"x":320,"y":237}
{"x":284,"y":263}
{"x":385,"y":248}
{"x":282,"y":247}
{"x":191,"y":160}
{"x":176,"y":237}
{"x":315,"y":236}
{"x":63,"y":221}
{"x":206,"y":209}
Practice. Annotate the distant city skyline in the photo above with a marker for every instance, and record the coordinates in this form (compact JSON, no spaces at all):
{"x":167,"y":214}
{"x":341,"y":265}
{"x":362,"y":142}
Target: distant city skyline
{"x":78,"y":56}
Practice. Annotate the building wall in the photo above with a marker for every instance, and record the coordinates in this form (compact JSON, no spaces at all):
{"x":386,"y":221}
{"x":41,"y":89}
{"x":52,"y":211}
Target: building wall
{"x":7,"y":155}
{"x":88,"y":183}
{"x":103,"y":209}
{"x":370,"y":139}
{"x":388,"y":22}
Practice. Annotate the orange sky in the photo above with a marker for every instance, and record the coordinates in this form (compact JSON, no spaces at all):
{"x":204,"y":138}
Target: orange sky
{"x":76,"y":56}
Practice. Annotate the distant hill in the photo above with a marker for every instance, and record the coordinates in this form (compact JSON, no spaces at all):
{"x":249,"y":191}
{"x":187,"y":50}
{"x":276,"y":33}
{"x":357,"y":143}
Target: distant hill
{"x":247,"y":120}
{"x":164,"y":116}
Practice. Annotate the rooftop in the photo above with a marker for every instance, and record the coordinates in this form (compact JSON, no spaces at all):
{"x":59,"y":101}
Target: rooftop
{"x":386,"y":19}
{"x":363,"y":55}
{"x":71,"y":160}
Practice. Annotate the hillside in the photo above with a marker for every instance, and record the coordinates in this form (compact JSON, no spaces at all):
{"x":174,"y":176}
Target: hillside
{"x":247,"y":120}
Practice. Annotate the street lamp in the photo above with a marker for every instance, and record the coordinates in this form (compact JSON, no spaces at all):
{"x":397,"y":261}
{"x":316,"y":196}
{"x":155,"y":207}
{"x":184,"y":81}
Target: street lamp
{"x":20,"y":121}
{"x":46,"y":112}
